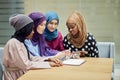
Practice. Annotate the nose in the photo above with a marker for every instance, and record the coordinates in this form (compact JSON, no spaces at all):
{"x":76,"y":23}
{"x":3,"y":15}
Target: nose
{"x":43,"y":27}
{"x":70,"y":29}
{"x":53,"y":25}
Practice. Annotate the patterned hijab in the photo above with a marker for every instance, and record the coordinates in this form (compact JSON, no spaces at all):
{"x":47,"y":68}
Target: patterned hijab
{"x":37,"y":38}
{"x":51,"y":35}
{"x":77,"y":19}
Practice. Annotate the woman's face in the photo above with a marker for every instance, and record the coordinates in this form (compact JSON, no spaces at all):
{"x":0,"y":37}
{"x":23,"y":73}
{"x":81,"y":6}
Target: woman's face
{"x":30,"y":35}
{"x":52,"y":25}
{"x":72,"y":28}
{"x":41,"y":27}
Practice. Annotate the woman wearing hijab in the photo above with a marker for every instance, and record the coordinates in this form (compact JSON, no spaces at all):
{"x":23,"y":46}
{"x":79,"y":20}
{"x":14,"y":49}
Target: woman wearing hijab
{"x":37,"y":45}
{"x":53,"y":37}
{"x":15,"y":56}
{"x":78,"y":40}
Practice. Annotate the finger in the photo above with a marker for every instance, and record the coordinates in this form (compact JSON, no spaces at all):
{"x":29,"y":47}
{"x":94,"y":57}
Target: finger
{"x":56,"y":61}
{"x":56,"y":65}
{"x":59,"y":63}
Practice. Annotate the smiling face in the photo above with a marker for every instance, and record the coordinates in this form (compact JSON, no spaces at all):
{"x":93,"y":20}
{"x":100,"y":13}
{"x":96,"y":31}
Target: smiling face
{"x":52,"y":25}
{"x":41,"y":27}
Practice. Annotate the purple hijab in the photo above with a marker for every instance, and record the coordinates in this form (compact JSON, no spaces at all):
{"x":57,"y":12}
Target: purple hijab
{"x":37,"y":38}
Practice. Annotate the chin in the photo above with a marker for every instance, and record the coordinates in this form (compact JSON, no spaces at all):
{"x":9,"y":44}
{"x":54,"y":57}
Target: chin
{"x":41,"y":32}
{"x":51,"y":30}
{"x":72,"y":34}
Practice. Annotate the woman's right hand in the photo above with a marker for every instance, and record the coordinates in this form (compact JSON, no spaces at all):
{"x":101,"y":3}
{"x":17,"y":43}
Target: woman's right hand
{"x":83,"y":53}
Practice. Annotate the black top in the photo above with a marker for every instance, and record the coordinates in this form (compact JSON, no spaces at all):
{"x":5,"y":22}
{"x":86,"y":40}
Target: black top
{"x":89,"y":46}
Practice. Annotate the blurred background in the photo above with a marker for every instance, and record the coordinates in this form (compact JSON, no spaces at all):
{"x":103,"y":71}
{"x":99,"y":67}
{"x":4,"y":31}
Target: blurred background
{"x":102,"y":17}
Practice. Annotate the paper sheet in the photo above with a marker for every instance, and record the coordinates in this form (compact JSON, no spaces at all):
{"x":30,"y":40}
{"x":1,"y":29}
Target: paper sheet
{"x":73,"y":61}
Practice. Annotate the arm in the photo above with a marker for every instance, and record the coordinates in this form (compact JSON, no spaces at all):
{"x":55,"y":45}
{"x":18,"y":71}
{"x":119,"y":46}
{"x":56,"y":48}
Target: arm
{"x":19,"y":56}
{"x":93,"y":46}
{"x":33,"y":49}
{"x":65,"y":43}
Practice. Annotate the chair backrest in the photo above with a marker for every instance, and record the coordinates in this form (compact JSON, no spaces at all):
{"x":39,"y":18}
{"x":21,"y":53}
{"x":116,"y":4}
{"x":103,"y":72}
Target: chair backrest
{"x":107,"y":50}
{"x":1,"y":71}
{"x":1,"y":65}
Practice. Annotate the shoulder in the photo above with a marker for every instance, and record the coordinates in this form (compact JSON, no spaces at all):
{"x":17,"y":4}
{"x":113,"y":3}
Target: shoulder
{"x":13,"y":43}
{"x":91,"y":39}
{"x":65,"y":40}
{"x":90,"y":36}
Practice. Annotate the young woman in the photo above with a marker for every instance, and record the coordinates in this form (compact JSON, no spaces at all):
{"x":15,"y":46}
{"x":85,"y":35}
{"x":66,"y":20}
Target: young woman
{"x":37,"y":45}
{"x":78,"y":39}
{"x":15,"y":56}
{"x":53,"y":37}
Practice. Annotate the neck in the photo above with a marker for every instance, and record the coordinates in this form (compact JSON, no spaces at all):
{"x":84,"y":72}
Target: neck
{"x":76,"y":35}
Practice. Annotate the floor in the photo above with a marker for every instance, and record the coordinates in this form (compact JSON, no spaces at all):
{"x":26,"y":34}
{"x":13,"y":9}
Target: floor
{"x":117,"y":72}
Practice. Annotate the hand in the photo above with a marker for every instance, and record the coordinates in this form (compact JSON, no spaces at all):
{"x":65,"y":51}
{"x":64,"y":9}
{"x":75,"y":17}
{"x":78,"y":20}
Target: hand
{"x":62,"y":54}
{"x":83,"y":53}
{"x":52,"y":64}
{"x":56,"y":61}
{"x":67,"y":52}
{"x":79,"y":54}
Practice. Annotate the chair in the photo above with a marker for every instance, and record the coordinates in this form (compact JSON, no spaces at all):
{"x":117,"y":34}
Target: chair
{"x":1,"y":71}
{"x":1,"y":66}
{"x":107,"y":50}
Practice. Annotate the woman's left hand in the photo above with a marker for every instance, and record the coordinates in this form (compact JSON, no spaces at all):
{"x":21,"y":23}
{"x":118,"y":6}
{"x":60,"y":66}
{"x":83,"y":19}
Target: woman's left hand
{"x":55,"y":60}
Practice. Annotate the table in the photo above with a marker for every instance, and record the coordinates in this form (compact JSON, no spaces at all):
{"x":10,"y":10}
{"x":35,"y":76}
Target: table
{"x":92,"y":69}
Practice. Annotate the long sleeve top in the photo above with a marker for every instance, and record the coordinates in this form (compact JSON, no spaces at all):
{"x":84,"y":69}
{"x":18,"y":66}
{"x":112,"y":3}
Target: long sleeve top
{"x":35,"y":51}
{"x":16,"y":61}
{"x":56,"y":43}
{"x":90,"y":46}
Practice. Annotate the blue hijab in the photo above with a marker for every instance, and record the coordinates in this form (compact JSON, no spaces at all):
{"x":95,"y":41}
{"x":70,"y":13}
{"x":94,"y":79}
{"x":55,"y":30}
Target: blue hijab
{"x":49,"y":17}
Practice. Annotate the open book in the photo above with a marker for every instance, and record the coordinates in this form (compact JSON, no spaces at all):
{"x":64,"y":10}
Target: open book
{"x":75,"y":62}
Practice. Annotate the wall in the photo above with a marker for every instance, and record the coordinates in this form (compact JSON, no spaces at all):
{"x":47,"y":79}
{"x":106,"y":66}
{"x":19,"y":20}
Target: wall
{"x":8,"y":7}
{"x":102,"y":16}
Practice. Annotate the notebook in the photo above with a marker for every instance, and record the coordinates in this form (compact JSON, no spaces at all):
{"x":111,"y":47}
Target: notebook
{"x":75,"y":62}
